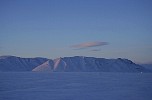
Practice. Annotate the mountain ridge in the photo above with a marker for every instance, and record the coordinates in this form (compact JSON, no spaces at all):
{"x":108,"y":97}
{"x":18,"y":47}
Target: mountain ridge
{"x":68,"y":64}
{"x":13,"y":63}
{"x":90,"y":64}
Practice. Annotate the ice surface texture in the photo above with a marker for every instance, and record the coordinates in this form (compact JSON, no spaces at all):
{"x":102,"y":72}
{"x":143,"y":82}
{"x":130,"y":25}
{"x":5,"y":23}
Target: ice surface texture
{"x":75,"y":86}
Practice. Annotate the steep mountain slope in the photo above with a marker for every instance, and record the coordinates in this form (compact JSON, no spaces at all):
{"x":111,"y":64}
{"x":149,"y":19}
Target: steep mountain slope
{"x":47,"y":66}
{"x":12,"y":63}
{"x":89,"y":64}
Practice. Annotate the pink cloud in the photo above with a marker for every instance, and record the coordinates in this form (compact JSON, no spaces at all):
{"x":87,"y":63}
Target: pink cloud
{"x":88,"y":45}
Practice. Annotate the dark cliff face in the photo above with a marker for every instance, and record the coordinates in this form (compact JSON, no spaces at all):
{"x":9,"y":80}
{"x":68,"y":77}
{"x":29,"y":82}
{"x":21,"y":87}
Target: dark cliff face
{"x":12,"y":63}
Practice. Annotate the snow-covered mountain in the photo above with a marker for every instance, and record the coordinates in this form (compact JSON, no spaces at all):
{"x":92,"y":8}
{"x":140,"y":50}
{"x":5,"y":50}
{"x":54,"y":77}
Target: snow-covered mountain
{"x":69,"y":64}
{"x":89,"y":64}
{"x":12,"y":63}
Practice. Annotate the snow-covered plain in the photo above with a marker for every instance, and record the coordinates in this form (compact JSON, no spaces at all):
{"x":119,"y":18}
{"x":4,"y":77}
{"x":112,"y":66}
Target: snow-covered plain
{"x":75,"y":86}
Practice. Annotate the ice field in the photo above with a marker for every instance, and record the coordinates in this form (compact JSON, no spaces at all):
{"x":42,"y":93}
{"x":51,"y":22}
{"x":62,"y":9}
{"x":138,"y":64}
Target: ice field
{"x":75,"y":86}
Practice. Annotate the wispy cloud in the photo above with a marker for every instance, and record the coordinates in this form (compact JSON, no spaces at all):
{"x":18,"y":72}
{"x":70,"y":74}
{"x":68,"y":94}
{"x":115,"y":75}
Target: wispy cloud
{"x":88,"y":45}
{"x":96,"y":50}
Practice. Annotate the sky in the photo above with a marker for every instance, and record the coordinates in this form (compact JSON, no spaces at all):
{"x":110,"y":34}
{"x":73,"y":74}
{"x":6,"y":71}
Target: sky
{"x":63,"y":28}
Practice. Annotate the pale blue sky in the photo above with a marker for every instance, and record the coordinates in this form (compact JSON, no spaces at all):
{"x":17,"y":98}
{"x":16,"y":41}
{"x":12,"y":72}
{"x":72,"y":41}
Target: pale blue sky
{"x":50,"y":28}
